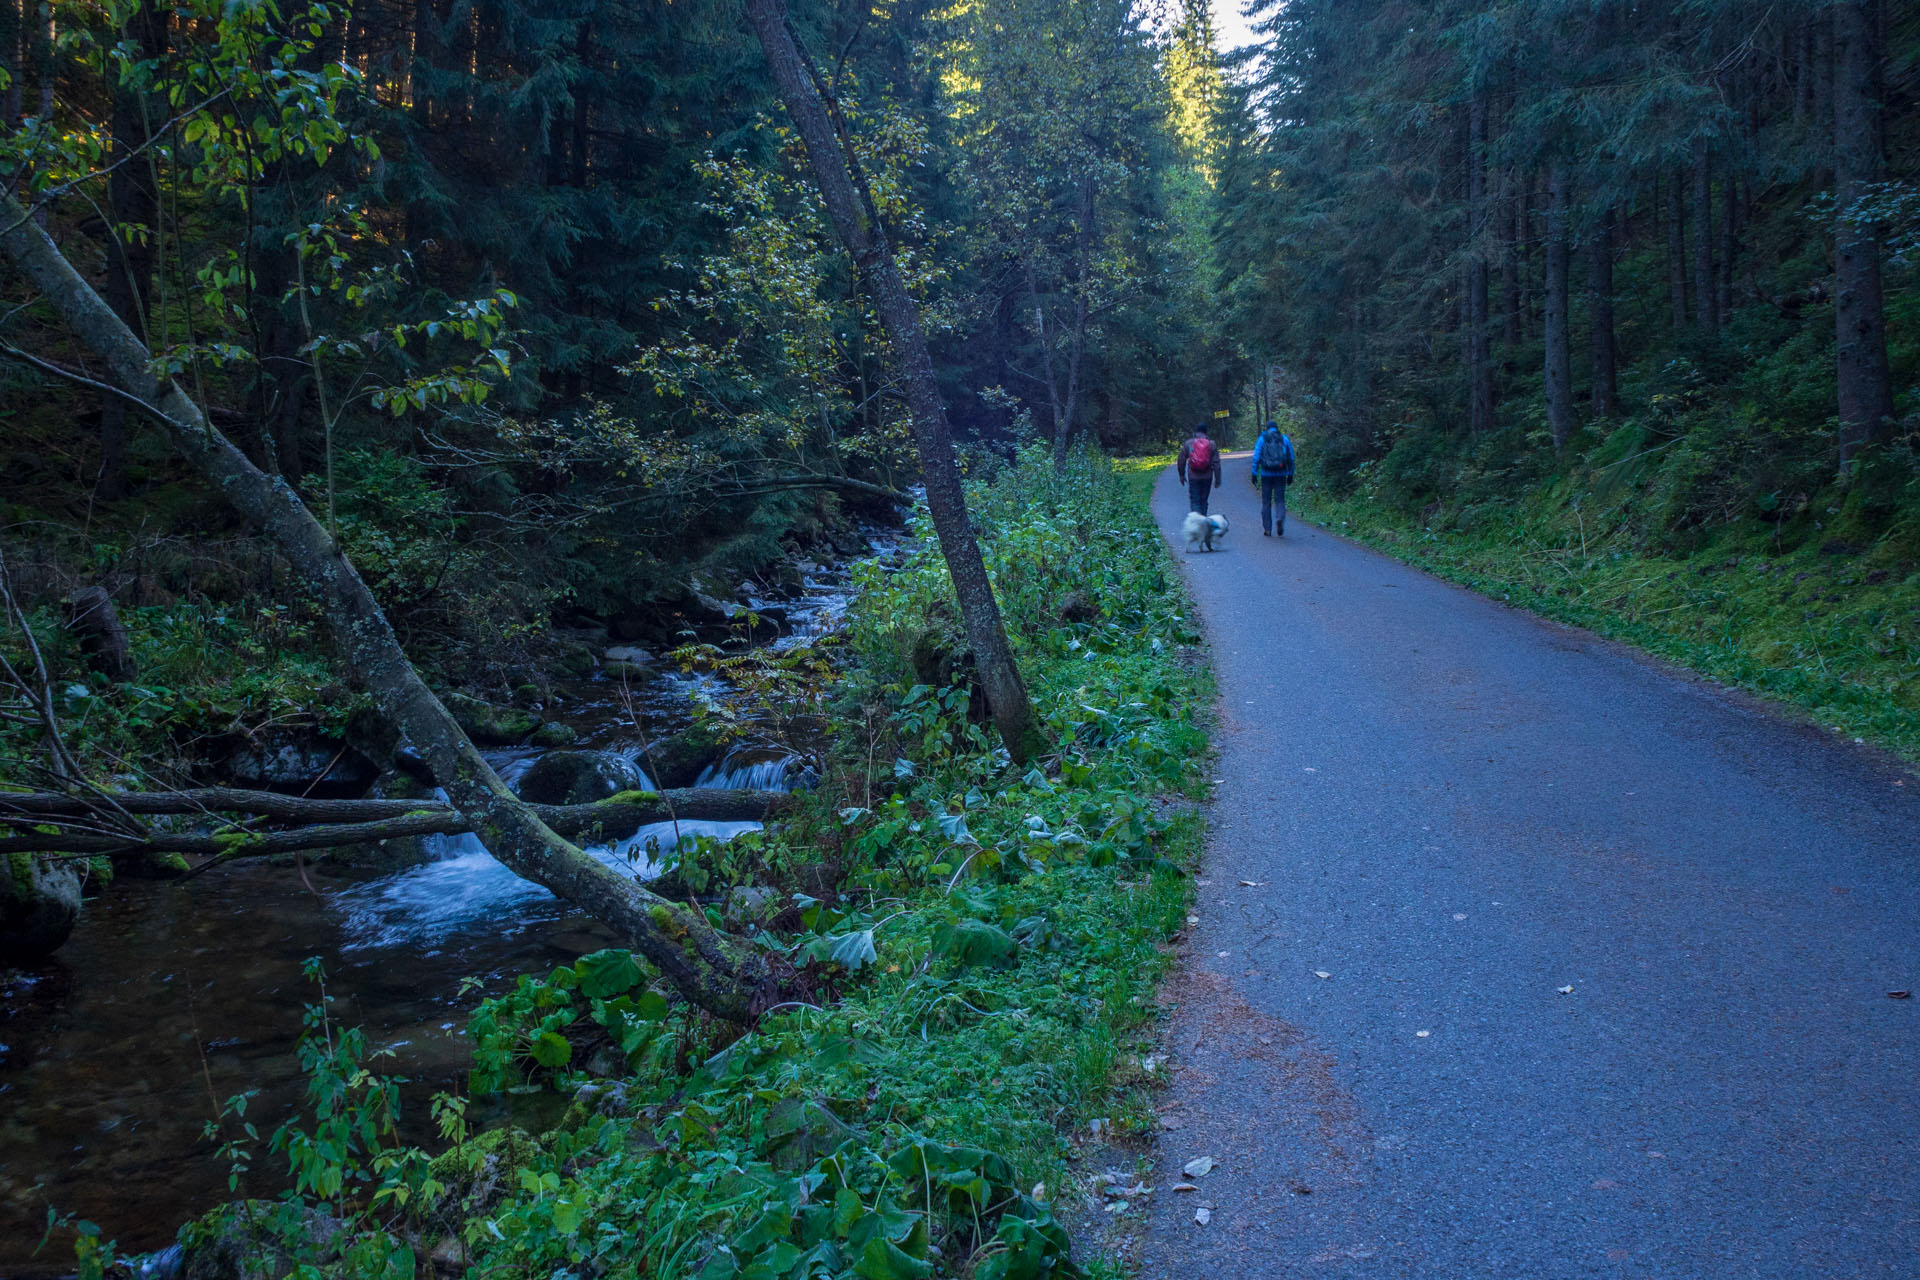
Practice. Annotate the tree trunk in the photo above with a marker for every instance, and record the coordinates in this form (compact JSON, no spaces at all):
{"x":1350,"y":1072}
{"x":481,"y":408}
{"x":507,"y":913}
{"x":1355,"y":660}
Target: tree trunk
{"x":1706,"y":314}
{"x":1082,"y":304}
{"x":1600,"y":309}
{"x":719,"y":973}
{"x":13,"y":26}
{"x":1866,"y":388}
{"x":1823,"y":87}
{"x":854,"y":219}
{"x":1559,"y":356}
{"x":1677,"y":252}
{"x":131,"y":202}
{"x":1479,"y":338}
{"x":1510,"y":263}
{"x":1729,"y":232}
{"x":103,"y":637}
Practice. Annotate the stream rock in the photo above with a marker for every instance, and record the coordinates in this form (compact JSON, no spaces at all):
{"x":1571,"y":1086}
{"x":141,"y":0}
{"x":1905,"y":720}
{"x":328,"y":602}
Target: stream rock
{"x":678,"y":758}
{"x":299,"y":762}
{"x":489,"y":723}
{"x":256,"y":1240}
{"x":39,"y":903}
{"x":579,"y":777}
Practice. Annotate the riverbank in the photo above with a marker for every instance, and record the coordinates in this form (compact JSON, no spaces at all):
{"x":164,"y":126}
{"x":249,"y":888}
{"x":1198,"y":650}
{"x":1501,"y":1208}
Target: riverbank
{"x":986,"y":942}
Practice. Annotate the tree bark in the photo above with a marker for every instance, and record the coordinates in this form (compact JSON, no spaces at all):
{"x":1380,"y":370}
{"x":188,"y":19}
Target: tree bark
{"x":1510,"y":219}
{"x":1082,"y":307}
{"x":13,"y":27}
{"x":103,"y":637}
{"x":1479,"y":338}
{"x":1677,"y":251}
{"x":1705,"y":290}
{"x":1606,"y":384}
{"x":719,"y":973}
{"x":1859,"y":159}
{"x":1729,"y":242}
{"x":853,"y":217}
{"x":1559,"y":358}
{"x":131,"y":202}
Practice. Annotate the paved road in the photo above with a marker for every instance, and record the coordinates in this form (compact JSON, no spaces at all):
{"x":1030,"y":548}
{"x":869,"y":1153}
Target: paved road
{"x":1453,"y":809}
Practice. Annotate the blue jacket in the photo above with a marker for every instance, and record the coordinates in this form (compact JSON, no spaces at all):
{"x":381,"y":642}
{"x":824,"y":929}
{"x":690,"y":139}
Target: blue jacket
{"x":1273,"y":457}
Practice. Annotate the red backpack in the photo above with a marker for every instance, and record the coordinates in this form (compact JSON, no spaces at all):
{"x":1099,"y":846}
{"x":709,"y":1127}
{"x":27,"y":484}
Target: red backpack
{"x":1199,"y":454}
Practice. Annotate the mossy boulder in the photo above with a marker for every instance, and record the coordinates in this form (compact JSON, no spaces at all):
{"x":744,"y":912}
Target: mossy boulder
{"x":489,"y":723}
{"x":39,"y":905}
{"x":480,"y":1171}
{"x":579,"y":777}
{"x":155,"y":866}
{"x":678,"y":758}
{"x":554,"y":734}
{"x":257,"y":1240}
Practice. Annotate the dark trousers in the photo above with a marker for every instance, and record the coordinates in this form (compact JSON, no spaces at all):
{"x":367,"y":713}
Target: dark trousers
{"x":1199,"y":488}
{"x":1273,"y":502}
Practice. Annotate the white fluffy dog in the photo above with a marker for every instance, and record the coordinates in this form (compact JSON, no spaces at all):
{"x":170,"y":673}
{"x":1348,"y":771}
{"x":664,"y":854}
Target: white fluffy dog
{"x":1203,"y":531}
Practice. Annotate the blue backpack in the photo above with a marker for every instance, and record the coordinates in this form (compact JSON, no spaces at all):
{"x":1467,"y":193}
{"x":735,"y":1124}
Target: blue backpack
{"x":1270,"y":464}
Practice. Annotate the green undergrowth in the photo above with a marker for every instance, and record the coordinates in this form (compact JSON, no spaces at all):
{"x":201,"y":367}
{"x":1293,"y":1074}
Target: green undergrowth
{"x":980,"y":942}
{"x":1820,"y":611}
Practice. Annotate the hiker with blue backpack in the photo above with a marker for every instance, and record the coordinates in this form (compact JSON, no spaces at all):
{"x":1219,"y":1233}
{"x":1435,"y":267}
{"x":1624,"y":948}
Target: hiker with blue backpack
{"x":1273,"y":472}
{"x":1199,"y":468}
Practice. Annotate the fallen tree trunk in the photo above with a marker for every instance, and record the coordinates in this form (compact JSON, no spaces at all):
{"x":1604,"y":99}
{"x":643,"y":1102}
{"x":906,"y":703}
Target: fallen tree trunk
{"x":639,"y":807}
{"x":331,"y":823}
{"x":716,"y":971}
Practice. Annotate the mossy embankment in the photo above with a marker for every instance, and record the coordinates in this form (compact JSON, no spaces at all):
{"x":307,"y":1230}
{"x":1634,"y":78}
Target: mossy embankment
{"x":1814,"y":602}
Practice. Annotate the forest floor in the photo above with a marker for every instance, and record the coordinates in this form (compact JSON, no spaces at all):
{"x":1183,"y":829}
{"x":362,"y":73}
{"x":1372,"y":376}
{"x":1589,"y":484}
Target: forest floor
{"x":1518,"y":954}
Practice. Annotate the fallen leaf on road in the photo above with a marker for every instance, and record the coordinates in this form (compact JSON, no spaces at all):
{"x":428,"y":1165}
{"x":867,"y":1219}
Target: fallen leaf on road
{"x":1116,"y":1206}
{"x":1203,"y":1215}
{"x":1184,"y":1186}
{"x":1193,"y":919}
{"x":1311,"y":769}
{"x":1321,"y":973}
{"x":1199,"y":1167}
{"x":1423,"y":1034}
{"x":1899,"y":995}
{"x":1172,"y":1122}
{"x":1203,"y":883}
{"x":1566,"y":990}
{"x":1254,"y":884}
{"x":1459,"y":915}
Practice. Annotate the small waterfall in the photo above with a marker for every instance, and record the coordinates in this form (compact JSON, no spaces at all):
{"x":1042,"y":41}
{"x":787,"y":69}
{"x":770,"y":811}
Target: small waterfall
{"x":749,"y":769}
{"x":463,"y":886}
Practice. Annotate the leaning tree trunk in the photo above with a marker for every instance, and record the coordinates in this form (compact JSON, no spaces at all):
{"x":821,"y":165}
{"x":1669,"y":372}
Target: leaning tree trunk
{"x":1866,"y":388}
{"x":1559,"y":352}
{"x":719,"y":973}
{"x":850,"y":207}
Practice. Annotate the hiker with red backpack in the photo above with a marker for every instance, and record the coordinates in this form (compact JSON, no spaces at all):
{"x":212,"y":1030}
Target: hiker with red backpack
{"x":1199,"y":468}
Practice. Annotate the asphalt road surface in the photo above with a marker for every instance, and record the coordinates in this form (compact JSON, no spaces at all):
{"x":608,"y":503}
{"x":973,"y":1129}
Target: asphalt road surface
{"x":1434,"y":815}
